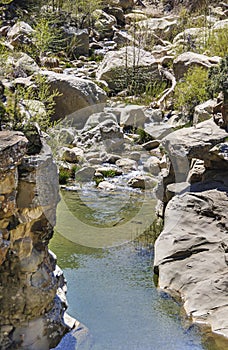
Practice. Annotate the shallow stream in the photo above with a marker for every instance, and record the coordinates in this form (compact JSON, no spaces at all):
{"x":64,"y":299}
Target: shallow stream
{"x":110,"y":278}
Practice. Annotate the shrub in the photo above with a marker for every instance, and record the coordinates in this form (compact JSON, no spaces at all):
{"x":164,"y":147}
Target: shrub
{"x":64,"y":176}
{"x":192,"y":90}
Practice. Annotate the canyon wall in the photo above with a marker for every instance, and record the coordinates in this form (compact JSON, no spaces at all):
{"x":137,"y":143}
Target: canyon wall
{"x":32,"y":287}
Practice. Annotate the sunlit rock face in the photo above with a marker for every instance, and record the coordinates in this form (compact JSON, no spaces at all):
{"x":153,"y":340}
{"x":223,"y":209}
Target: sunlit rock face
{"x":32,"y":298}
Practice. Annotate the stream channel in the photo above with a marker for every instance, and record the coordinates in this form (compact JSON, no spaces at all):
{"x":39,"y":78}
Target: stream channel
{"x":109,"y":273}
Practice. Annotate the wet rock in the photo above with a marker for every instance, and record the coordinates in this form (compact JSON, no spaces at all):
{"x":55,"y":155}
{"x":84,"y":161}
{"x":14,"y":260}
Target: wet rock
{"x":142,"y":181}
{"x":106,"y":186}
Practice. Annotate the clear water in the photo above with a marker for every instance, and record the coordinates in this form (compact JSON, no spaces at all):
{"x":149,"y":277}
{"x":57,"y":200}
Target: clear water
{"x":111,"y":291}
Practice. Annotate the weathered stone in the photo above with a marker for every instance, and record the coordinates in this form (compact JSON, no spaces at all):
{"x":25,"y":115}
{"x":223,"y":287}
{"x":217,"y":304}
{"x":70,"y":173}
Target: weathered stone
{"x":113,"y":67}
{"x":162,"y":27}
{"x":79,"y":98}
{"x":191,"y":59}
{"x":142,"y":181}
{"x":152,"y":165}
{"x":132,"y":115}
{"x":151,"y":145}
{"x":71,"y":155}
{"x":20,"y":28}
{"x":23,"y":64}
{"x":191,"y":254}
{"x":127,"y":164}
{"x":104,"y":24}
{"x":85,"y":174}
{"x":203,"y":111}
{"x":106,"y":186}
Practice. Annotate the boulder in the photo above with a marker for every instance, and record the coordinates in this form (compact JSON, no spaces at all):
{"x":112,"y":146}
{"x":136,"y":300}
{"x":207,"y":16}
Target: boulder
{"x":148,"y":146}
{"x":132,"y":115}
{"x":75,"y":94}
{"x":23,"y":65}
{"x":106,"y":186}
{"x":85,"y":174}
{"x":142,"y":181}
{"x":98,"y":118}
{"x":204,"y":111}
{"x":104,"y":24}
{"x":77,"y":39}
{"x":141,"y":67}
{"x":152,"y":165}
{"x":162,"y":27}
{"x":191,"y":254}
{"x":191,"y":59}
{"x":71,"y":155}
{"x":20,"y":28}
{"x":126,"y":164}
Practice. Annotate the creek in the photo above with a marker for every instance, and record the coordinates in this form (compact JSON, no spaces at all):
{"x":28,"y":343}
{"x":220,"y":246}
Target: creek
{"x":109,"y":273}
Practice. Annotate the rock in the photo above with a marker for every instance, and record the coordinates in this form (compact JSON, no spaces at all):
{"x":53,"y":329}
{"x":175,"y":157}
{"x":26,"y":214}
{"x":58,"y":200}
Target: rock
{"x":78,"y":39}
{"x":118,"y":13}
{"x":191,"y":59}
{"x":112,"y":158}
{"x":71,"y":155}
{"x":155,"y":115}
{"x":20,"y":28}
{"x":24,"y":65}
{"x":85,"y":174}
{"x":204,"y":111}
{"x":97,"y":118}
{"x":109,"y":171}
{"x":158,"y":131}
{"x":132,"y":115}
{"x":152,"y":165}
{"x":76,"y":94}
{"x":221,"y":24}
{"x":151,"y":145}
{"x":104,"y":24}
{"x":106,"y":186}
{"x":122,"y":37}
{"x":113,"y":67}
{"x":191,"y":255}
{"x":196,"y":172}
{"x":134,"y":17}
{"x":142,"y":181}
{"x":218,"y":157}
{"x":28,"y":306}
{"x":195,"y":142}
{"x":162,"y":27}
{"x":135,"y":156}
{"x":127,"y":164}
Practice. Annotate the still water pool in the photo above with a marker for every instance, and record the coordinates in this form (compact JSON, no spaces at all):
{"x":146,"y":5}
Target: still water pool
{"x":111,"y":289}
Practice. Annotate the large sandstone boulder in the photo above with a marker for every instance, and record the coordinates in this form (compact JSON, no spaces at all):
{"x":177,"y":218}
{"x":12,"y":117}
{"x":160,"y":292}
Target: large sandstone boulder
{"x":191,"y":253}
{"x":191,"y":59}
{"x":75,"y":94}
{"x":121,"y":67}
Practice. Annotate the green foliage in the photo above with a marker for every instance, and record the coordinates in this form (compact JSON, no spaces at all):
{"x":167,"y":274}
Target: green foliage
{"x":64,"y":176}
{"x":218,"y":78}
{"x":143,"y":136}
{"x":15,"y":119}
{"x":192,"y":90}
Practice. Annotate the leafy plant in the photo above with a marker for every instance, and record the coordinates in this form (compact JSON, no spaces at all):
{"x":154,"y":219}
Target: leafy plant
{"x":218,"y":78}
{"x":191,"y":91}
{"x":64,"y":176}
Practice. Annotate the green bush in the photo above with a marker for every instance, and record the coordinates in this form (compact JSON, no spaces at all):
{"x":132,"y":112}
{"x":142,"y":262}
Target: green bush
{"x":192,"y":90}
{"x":64,"y":176}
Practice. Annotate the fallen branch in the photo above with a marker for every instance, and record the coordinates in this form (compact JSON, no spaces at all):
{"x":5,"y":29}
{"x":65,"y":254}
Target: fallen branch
{"x":162,"y":100}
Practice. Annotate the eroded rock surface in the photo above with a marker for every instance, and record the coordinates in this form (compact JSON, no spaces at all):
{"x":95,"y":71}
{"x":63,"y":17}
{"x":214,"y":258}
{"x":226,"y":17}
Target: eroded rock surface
{"x":32,"y":288}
